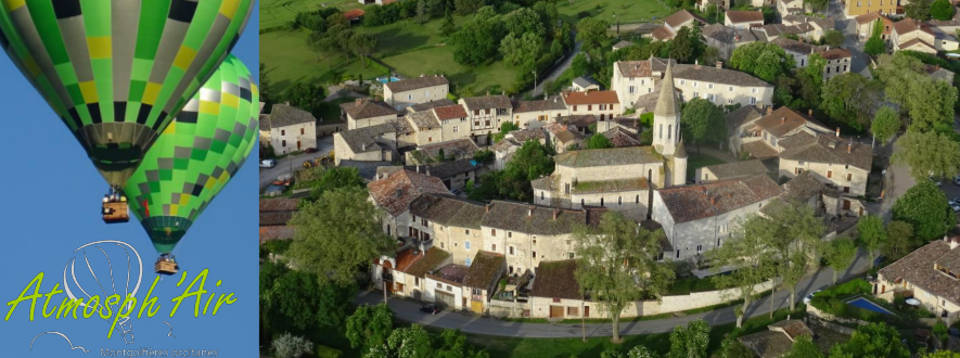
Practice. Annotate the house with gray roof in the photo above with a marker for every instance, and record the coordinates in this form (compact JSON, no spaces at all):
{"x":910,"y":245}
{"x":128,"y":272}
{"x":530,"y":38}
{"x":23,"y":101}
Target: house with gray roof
{"x":727,"y":38}
{"x":697,"y":218}
{"x":394,"y":194}
{"x":288,"y":129}
{"x":930,"y":274}
{"x":411,"y":91}
{"x":366,"y":112}
{"x":481,"y":279}
{"x":842,"y":163}
{"x":485,"y":114}
{"x":730,"y":170}
{"x":371,"y":144}
{"x":538,"y":113}
{"x":584,"y":84}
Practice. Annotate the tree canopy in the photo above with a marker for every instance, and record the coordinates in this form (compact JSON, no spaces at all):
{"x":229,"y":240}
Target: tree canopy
{"x":918,"y":9}
{"x":886,"y":123}
{"x":925,"y":207}
{"x":872,"y":236}
{"x":850,"y":99}
{"x":598,"y":141}
{"x":703,"y":122}
{"x":839,"y":254}
{"x":764,"y":60}
{"x":533,"y":160}
{"x":942,"y":10}
{"x":478,"y":40}
{"x":929,"y":154}
{"x":690,"y":341}
{"x":872,"y":340}
{"x":369,"y":326}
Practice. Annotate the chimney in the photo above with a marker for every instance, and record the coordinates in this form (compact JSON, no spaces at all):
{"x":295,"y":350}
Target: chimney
{"x":358,"y":101}
{"x":769,"y":109}
{"x":556,"y":212}
{"x":838,"y":132}
{"x":719,"y":64}
{"x":530,"y":211}
{"x":850,"y":147}
{"x":952,"y":241}
{"x":486,"y":208}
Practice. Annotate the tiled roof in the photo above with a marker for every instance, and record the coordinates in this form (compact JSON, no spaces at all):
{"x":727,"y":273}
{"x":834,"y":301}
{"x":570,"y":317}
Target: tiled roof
{"x":353,"y":14}
{"x":662,"y":33}
{"x":416,"y":83}
{"x":592,"y":97}
{"x":793,"y":45}
{"x":740,"y":116}
{"x":423,"y":120}
{"x":759,"y":150}
{"x":585,"y":81}
{"x":538,"y":106}
{"x":831,"y":149}
{"x":917,"y":268}
{"x":737,"y":169}
{"x":728,"y":35}
{"x":737,"y":16}
{"x":533,"y":219}
{"x":563,"y":134}
{"x":524,"y":135}
{"x":484,"y":270}
{"x":432,"y":104}
{"x":835,"y":53}
{"x":555,"y":279}
{"x":793,"y":327}
{"x":646,"y":68}
{"x":581,"y":121}
{"x":607,"y":156}
{"x":457,"y":147}
{"x":868,"y":18}
{"x":278,"y":204}
{"x":781,"y":121}
{"x":909,"y":25}
{"x":680,"y":17}
{"x":406,"y":258}
{"x":277,"y":232}
{"x":395,"y":192}
{"x":449,"y":169}
{"x":283,"y":115}
{"x":620,"y":137}
{"x":364,"y":139}
{"x":698,"y":201}
{"x":483,"y":102}
{"x":767,"y":344}
{"x":915,"y":42}
{"x":366,"y":108}
{"x":802,"y":187}
{"x":455,"y":111}
{"x":452,"y":274}
{"x":427,"y":262}
{"x":448,"y":210}
{"x":271,"y":218}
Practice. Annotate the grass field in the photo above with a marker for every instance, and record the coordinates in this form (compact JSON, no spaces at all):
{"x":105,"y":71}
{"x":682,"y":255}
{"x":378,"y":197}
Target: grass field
{"x":275,"y":13}
{"x":627,"y":11}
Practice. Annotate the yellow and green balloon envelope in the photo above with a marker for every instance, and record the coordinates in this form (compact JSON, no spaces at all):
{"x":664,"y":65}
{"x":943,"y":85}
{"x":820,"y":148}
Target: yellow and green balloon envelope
{"x":116,"y":72}
{"x":196,"y":155}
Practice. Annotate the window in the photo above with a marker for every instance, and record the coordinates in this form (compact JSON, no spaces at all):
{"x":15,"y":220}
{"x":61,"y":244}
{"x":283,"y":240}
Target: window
{"x":696,"y":94}
{"x":660,"y":132}
{"x":454,"y":129}
{"x":573,"y":311}
{"x":493,"y":232}
{"x":669,"y":130}
{"x":694,"y":84}
{"x":409,"y":97}
{"x":710,"y":85}
{"x":467,"y":231}
{"x":493,"y":247}
{"x":429,"y":139}
{"x":534,"y":254}
{"x":797,"y":171}
{"x":510,"y":249}
{"x":753,"y":100}
{"x":601,"y":201}
{"x":829,"y":174}
{"x":632,"y":89}
{"x":509,"y":234}
{"x":439,"y":285}
{"x":541,"y":195}
{"x":570,"y":255}
{"x":753,"y":90}
{"x":638,"y":199}
{"x":678,"y":253}
{"x":466,"y":261}
{"x":416,"y":281}
{"x":423,"y":221}
{"x":718,"y":242}
{"x":574,"y":108}
{"x":302,"y":130}
{"x":589,"y":107}
{"x":699,"y":249}
{"x":730,"y":88}
{"x":619,"y":200}
{"x":283,"y":143}
{"x":283,"y":132}
{"x":682,"y":82}
{"x":849,"y":177}
{"x":486,"y":111}
{"x":466,"y":245}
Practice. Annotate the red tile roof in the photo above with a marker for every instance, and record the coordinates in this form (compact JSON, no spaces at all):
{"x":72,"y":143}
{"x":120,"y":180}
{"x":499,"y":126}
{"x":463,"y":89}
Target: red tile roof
{"x":395,"y":192}
{"x":694,"y":202}
{"x":450,"y":112}
{"x":592,"y":97}
{"x":354,"y":14}
{"x":737,"y":16}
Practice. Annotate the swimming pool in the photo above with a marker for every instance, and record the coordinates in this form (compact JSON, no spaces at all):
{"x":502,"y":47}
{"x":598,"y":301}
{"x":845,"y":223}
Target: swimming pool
{"x":385,"y":79}
{"x":866,"y":304}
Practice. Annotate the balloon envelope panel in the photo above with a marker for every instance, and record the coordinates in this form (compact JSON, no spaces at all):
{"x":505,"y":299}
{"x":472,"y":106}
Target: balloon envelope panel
{"x":196,"y":155}
{"x":116,"y":72}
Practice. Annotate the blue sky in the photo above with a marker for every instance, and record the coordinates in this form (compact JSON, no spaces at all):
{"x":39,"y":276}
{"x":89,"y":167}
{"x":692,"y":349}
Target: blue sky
{"x":51,"y":193}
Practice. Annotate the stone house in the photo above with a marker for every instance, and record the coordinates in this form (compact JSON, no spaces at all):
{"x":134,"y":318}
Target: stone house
{"x":585,"y":83}
{"x":930,"y":274}
{"x":451,"y":223}
{"x":365,"y":112}
{"x":601,"y":104}
{"x":854,"y":8}
{"x":556,"y":293}
{"x":866,"y":22}
{"x":800,"y":51}
{"x":481,"y":280}
{"x":288,"y":129}
{"x":443,"y":151}
{"x":746,"y":168}
{"x":704,"y":5}
{"x":504,"y":149}
{"x":405,"y":272}
{"x":736,"y":121}
{"x":812,"y":27}
{"x":674,"y":22}
{"x":762,"y":138}
{"x":722,"y":86}
{"x":454,"y":173}
{"x":538,"y":113}
{"x":370,"y":144}
{"x":615,"y":178}
{"x":485,"y":114}
{"x":839,"y":162}
{"x":913,"y":35}
{"x":838,"y":62}
{"x":404,"y":93}
{"x":425,"y":129}
{"x":453,"y":122}
{"x":777,"y":340}
{"x":786,"y":7}
{"x":561,"y":137}
{"x":726,"y":39}
{"x":444,"y":286}
{"x":394,"y":194}
{"x":742,"y":19}
{"x":697,"y":218}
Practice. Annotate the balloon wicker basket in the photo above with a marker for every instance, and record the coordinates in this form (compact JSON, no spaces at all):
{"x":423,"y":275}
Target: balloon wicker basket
{"x":115,"y":212}
{"x":166,"y":266}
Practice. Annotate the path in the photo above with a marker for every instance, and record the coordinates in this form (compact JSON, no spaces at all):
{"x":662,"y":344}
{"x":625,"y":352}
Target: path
{"x":288,"y":164}
{"x":406,"y":310}
{"x":557,"y":71}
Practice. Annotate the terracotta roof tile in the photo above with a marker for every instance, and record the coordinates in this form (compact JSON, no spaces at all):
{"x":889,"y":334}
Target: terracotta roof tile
{"x":698,"y":201}
{"x":917,"y":268}
{"x":427,"y":262}
{"x":592,"y":97}
{"x":395,"y":192}
{"x":455,"y":111}
{"x":366,"y":108}
{"x":484,"y":102}
{"x":555,"y":279}
{"x":416,"y":83}
{"x":484,"y":270}
{"x":738,"y":16}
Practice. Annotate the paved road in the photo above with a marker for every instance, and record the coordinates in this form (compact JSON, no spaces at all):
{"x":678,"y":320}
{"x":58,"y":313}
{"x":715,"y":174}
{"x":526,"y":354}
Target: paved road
{"x":409,"y":311}
{"x":288,"y":164}
{"x":538,"y":90}
{"x":858,"y":63}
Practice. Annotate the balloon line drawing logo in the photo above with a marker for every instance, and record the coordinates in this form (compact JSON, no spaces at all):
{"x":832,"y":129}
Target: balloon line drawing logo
{"x":61,"y":335}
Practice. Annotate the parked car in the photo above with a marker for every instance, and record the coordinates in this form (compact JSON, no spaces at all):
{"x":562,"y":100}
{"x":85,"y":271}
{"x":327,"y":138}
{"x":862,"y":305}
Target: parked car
{"x":808,"y":298}
{"x":430,"y":308}
{"x":310,"y":150}
{"x":268,"y":163}
{"x":955,"y":207}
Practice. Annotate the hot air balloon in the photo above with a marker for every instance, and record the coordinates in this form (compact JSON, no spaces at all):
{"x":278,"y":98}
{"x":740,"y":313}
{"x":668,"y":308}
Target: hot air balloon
{"x":195,"y":157}
{"x":117,"y":72}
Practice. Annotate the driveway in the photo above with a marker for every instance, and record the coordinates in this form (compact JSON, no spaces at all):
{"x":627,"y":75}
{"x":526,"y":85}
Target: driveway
{"x":557,"y":71}
{"x":407,"y":310}
{"x":288,"y":164}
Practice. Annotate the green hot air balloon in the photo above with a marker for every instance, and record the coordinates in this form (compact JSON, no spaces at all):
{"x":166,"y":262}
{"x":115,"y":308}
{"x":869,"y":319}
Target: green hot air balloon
{"x":195,"y":157}
{"x":117,"y":72}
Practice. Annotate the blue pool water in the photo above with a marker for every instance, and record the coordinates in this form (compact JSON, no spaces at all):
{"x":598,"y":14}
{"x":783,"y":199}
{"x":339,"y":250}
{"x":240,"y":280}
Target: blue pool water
{"x":385,"y":79}
{"x":867,"y":305}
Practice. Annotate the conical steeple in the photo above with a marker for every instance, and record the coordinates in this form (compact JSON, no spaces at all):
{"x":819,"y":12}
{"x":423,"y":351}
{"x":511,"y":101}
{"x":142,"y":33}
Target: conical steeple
{"x":667,"y":103}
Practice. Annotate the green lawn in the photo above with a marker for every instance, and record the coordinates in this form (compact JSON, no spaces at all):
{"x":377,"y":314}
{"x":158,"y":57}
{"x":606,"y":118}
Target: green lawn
{"x":696,"y":161}
{"x":627,"y":11}
{"x":275,"y":13}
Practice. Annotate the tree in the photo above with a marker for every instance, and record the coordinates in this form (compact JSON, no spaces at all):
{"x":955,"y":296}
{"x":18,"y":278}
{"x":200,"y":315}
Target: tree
{"x":453,"y":344}
{"x":850,"y":98}
{"x":875,"y":44}
{"x":533,"y":160}
{"x":362,"y":45}
{"x":290,"y":346}
{"x":925,"y":207}
{"x":297,"y":299}
{"x":930,"y":101}
{"x":872,"y":235}
{"x":687,"y":45}
{"x":406,"y":342}
{"x":598,"y":141}
{"x":803,"y":347}
{"x":337,"y":236}
{"x":942,"y":354}
{"x":793,"y":231}
{"x":750,"y":250}
{"x":918,"y":9}
{"x":928,"y":154}
{"x":521,"y":50}
{"x":941,"y":10}
{"x":833,"y":38}
{"x":505,"y":128}
{"x":478,"y":40}
{"x":448,"y":27}
{"x":306,"y":95}
{"x":886,"y":123}
{"x":762,"y":59}
{"x":369,"y":326}
{"x":839,"y":254}
{"x":810,"y":83}
{"x":872,"y":340}
{"x":617,"y":265}
{"x":900,"y":240}
{"x":592,"y":33}
{"x":690,"y":341}
{"x":702,"y":122}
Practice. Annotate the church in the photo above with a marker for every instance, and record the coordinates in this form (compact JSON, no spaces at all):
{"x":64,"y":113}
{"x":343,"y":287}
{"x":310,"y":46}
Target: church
{"x":623,"y":178}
